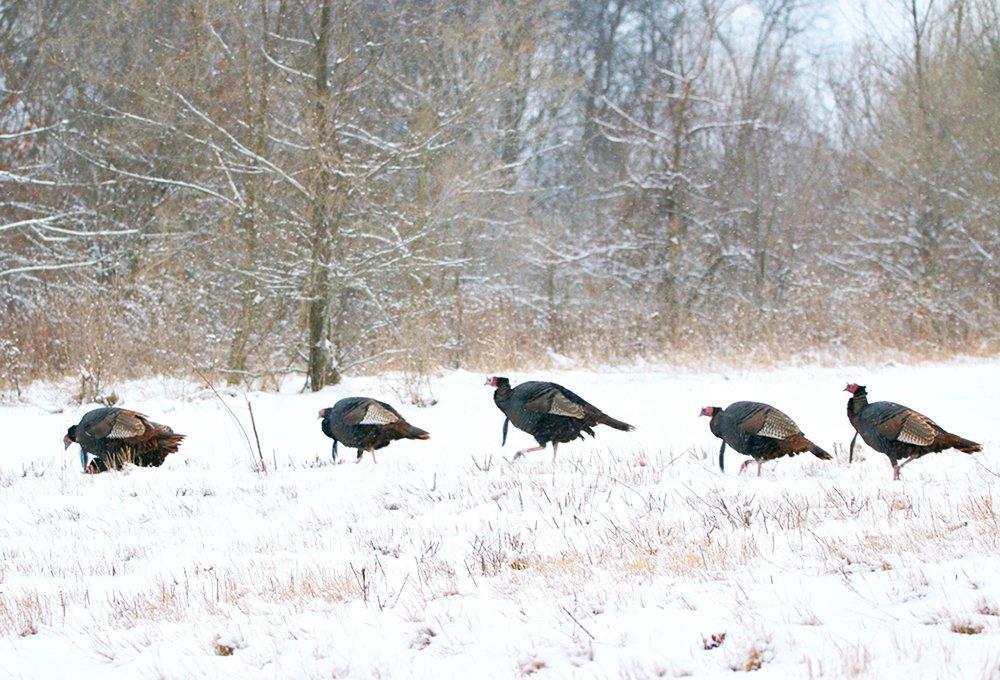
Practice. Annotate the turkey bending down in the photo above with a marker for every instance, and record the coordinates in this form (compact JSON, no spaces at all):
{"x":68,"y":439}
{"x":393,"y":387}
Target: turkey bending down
{"x":897,"y":431}
{"x":548,"y":412}
{"x":115,"y":436}
{"x":760,"y":431}
{"x":366,"y":425}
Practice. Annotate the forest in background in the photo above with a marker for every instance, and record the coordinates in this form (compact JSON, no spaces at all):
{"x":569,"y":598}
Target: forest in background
{"x":250,"y":188}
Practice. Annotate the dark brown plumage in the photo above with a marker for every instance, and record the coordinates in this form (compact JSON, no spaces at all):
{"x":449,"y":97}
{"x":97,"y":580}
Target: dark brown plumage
{"x":548,"y":412}
{"x":760,"y":431}
{"x":898,"y":431}
{"x":366,"y":425}
{"x":115,"y":436}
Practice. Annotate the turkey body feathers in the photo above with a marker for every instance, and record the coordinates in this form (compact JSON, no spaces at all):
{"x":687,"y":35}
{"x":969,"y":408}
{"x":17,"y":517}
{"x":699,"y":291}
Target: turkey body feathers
{"x":760,"y":431}
{"x":551,"y":413}
{"x":367,"y":424}
{"x":900,"y":432}
{"x":115,"y":436}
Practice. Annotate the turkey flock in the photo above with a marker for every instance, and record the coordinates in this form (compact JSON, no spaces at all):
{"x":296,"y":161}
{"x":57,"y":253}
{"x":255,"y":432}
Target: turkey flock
{"x":111,"y":437}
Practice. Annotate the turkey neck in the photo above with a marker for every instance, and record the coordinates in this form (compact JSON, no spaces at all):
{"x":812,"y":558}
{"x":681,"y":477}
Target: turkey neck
{"x":715,"y":425}
{"x":502,"y":396}
{"x":855,"y":405}
{"x":325,"y":425}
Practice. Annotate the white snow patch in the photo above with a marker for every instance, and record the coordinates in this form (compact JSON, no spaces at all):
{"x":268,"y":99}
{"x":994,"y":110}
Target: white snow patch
{"x":621,"y":559}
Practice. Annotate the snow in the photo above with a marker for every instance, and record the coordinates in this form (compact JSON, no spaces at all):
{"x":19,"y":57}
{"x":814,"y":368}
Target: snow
{"x":621,"y":559}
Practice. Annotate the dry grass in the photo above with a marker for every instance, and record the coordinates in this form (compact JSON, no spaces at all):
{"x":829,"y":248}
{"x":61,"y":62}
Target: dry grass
{"x":24,"y":614}
{"x":967,"y":627}
{"x":423,"y":638}
{"x":531,"y":667}
{"x":987,"y":608}
{"x":752,"y":661}
{"x":223,"y":648}
{"x":856,"y":661}
{"x":54,"y":344}
{"x":714,"y":641}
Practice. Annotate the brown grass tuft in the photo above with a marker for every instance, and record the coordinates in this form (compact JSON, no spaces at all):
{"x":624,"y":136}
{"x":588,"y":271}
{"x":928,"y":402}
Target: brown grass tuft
{"x":23,"y":615}
{"x":423,"y":638}
{"x":532,"y":667}
{"x":753,"y":662}
{"x":966,"y":628}
{"x":714,"y":641}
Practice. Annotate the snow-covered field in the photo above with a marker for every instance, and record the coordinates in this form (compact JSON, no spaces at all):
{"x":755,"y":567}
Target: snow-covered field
{"x":624,"y":558}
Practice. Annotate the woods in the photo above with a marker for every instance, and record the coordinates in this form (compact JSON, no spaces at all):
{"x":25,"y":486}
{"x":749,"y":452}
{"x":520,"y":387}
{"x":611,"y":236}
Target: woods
{"x":261,"y":187}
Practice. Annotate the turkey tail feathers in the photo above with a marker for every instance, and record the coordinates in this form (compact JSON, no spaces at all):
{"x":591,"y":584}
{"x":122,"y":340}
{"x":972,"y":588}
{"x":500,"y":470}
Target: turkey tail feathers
{"x":407,"y":431}
{"x":949,"y":440}
{"x":605,"y":419}
{"x":819,"y":453}
{"x":798,"y":444}
{"x":171,"y":442}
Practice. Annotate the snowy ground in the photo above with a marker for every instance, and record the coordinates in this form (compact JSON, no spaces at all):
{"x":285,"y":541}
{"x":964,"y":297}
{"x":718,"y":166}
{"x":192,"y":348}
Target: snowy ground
{"x":622,"y":559}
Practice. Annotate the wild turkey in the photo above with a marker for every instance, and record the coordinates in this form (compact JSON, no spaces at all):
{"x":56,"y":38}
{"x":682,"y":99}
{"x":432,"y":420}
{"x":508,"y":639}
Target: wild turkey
{"x":115,"y":436}
{"x":548,"y":412}
{"x":760,"y":431}
{"x":366,"y":425}
{"x":897,"y":431}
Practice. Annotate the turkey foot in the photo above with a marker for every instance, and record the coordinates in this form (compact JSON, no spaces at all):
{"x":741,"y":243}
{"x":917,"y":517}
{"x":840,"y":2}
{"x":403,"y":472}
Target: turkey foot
{"x":361,"y":453}
{"x":897,"y":468}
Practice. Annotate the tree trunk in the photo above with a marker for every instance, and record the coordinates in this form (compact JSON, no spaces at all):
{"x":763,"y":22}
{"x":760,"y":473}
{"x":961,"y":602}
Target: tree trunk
{"x":249,"y":299}
{"x":320,"y":370}
{"x":606,"y":30}
{"x":552,"y":309}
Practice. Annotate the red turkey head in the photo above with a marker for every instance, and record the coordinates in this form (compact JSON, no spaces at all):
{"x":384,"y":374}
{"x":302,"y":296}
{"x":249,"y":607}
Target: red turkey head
{"x":491,"y":381}
{"x":70,"y":437}
{"x":322,"y":412}
{"x":709,"y":411}
{"x":852,"y":388}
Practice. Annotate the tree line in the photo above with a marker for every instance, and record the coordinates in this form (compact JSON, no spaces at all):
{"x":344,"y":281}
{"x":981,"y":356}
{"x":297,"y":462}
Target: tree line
{"x":259,"y":187}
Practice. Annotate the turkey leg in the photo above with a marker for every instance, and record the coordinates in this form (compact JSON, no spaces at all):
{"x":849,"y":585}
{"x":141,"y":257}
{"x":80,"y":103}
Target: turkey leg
{"x":524,"y":451}
{"x":897,"y":468}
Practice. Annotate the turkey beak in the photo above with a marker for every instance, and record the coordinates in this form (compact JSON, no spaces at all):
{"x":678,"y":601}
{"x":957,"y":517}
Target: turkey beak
{"x":489,"y":381}
{"x":66,"y":442}
{"x":848,"y":388}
